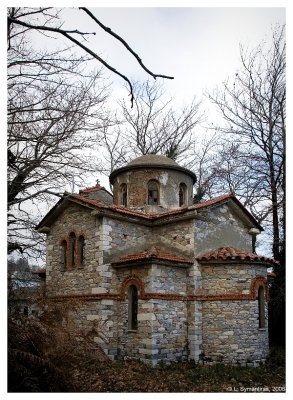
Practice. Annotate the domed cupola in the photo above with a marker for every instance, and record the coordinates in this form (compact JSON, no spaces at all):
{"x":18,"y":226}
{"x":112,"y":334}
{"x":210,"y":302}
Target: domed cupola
{"x":152,"y":183}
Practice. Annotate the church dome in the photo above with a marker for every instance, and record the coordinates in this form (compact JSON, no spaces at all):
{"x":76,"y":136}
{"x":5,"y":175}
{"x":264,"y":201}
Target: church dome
{"x":152,"y":159}
{"x":152,"y":183}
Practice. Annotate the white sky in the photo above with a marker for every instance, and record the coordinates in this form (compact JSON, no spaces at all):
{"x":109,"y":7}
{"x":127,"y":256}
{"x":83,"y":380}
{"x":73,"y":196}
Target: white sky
{"x":198,"y":46}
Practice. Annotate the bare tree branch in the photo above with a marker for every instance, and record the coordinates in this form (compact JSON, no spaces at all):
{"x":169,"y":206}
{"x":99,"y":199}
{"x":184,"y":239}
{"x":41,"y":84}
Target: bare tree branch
{"x":110,"y":31}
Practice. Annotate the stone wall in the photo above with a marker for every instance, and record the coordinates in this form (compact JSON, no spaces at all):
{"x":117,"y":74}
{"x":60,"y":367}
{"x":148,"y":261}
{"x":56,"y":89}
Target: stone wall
{"x":137,"y":193}
{"x":125,"y":237}
{"x":75,"y":219}
{"x":231,"y":333}
{"x":169,"y":328}
{"x":229,"y":278}
{"x":177,"y":237}
{"x":219,"y":227}
{"x":162,"y":323}
{"x":161,"y":332}
{"x":230,"y":328}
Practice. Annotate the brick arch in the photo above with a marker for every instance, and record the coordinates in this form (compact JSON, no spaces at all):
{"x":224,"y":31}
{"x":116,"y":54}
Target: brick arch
{"x":63,"y":239}
{"x":256,"y":283}
{"x":132,"y":280}
{"x":72,"y":231}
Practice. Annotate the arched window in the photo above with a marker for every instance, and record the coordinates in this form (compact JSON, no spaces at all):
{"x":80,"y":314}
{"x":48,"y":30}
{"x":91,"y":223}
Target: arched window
{"x":81,"y":250}
{"x":72,"y":239}
{"x":123,"y":195}
{"x":64,"y":254}
{"x":261,"y":307}
{"x":153,"y":192}
{"x":182,"y":194}
{"x":132,"y":307}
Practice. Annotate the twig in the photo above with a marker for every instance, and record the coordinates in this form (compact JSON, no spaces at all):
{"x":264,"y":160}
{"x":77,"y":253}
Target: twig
{"x":108,"y":30}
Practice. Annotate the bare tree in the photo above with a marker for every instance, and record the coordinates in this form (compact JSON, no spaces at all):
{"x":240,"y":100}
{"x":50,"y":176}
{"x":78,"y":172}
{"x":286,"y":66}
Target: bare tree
{"x":254,"y":107}
{"x":152,"y":126}
{"x":56,"y":115}
{"x":48,"y":20}
{"x":55,"y":109}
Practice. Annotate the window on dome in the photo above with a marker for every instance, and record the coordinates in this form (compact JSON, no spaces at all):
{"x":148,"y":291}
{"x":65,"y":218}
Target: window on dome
{"x":123,"y":195}
{"x":153,"y":193}
{"x":182,"y":194}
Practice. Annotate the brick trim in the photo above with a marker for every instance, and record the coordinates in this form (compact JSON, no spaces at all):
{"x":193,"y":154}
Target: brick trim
{"x":256,"y":283}
{"x":135,"y":280}
{"x":78,"y":235}
{"x":132,"y":280}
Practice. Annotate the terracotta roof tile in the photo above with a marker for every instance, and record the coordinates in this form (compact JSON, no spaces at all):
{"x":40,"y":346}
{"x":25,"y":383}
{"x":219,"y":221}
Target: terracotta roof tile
{"x":215,"y":200}
{"x":128,"y":211}
{"x":232,"y":253}
{"x":82,"y":197}
{"x":153,"y":253}
{"x":95,"y":188}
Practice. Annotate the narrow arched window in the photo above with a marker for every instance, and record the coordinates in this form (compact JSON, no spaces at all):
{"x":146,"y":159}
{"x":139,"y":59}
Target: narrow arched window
{"x":132,"y":307}
{"x":123,"y":195}
{"x":182,"y":194}
{"x":81,"y":250}
{"x":261,"y":307}
{"x":72,"y":239}
{"x":153,"y":192}
{"x":64,"y":254}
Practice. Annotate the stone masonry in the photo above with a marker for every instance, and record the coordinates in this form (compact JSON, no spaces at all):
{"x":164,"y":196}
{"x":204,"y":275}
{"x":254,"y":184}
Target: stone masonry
{"x":163,"y":279}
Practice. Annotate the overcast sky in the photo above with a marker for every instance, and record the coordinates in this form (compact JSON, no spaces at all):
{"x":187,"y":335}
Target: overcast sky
{"x":198,"y":46}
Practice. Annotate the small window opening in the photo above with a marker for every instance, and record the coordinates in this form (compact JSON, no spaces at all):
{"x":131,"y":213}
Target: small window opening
{"x":182,"y":194}
{"x":81,"y":243}
{"x":153,"y":193}
{"x":123,"y":195}
{"x":72,"y":249}
{"x":132,"y":307}
{"x":64,"y":254}
{"x":261,"y":307}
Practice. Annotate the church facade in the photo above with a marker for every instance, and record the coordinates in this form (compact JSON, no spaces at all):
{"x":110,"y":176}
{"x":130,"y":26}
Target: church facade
{"x":163,"y":278}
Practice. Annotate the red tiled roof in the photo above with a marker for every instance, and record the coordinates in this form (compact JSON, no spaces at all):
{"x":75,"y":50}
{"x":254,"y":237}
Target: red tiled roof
{"x":153,"y":253}
{"x":91,"y":189}
{"x":232,"y":253}
{"x":215,"y":200}
{"x":224,"y":198}
{"x":128,"y":211}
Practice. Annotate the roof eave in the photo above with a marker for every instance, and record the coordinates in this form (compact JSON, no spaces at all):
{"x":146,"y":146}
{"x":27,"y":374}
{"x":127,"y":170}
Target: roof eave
{"x":151,"y":166}
{"x":151,"y":260}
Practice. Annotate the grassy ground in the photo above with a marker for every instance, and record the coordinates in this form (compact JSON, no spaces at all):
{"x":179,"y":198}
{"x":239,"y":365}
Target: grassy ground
{"x":134,"y":376}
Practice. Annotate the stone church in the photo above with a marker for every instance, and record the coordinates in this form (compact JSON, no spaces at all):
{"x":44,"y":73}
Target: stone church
{"x":167,"y":279}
